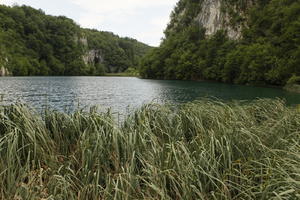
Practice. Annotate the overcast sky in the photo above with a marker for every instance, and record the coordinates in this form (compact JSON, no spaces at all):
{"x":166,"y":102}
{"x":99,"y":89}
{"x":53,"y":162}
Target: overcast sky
{"x":144,"y":20}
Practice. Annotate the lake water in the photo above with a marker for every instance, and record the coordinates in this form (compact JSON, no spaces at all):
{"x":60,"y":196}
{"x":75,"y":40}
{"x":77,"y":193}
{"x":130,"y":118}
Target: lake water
{"x":122,"y":94}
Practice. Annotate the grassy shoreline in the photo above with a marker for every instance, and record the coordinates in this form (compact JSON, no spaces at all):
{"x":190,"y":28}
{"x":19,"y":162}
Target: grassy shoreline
{"x":121,"y":74}
{"x":201,"y":150}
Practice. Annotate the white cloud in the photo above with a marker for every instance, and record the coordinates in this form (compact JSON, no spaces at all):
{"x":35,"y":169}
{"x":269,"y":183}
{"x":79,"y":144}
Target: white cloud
{"x":7,"y":2}
{"x":160,"y":21}
{"x":105,"y":6}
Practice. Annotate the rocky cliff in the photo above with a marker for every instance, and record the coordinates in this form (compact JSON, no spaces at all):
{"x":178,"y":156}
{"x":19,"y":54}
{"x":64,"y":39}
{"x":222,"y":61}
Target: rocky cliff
{"x":213,"y":19}
{"x":237,"y":41}
{"x":93,"y":56}
{"x":90,"y":57}
{"x":4,"y":71}
{"x":111,"y":52}
{"x":213,"y":15}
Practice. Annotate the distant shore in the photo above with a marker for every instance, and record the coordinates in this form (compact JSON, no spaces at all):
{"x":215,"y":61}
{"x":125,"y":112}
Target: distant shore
{"x":122,"y":74}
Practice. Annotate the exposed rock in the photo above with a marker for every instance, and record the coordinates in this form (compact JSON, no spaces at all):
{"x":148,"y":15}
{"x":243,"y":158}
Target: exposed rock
{"x":4,"y":72}
{"x":84,"y":41}
{"x":213,"y":19}
{"x":93,"y":57}
{"x":214,"y":15}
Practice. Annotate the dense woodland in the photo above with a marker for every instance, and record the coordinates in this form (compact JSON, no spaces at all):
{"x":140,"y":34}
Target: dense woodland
{"x":33,"y":43}
{"x":267,"y":53}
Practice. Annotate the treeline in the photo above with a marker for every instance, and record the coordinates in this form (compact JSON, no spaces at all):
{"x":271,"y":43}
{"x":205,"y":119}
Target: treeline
{"x":33,"y":43}
{"x":267,"y":53}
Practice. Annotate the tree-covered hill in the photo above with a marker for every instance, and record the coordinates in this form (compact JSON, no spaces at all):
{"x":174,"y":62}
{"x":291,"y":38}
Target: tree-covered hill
{"x":246,"y":42}
{"x":33,"y":43}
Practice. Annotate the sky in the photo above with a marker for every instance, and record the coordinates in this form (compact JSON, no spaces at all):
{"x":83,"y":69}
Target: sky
{"x":144,"y":20}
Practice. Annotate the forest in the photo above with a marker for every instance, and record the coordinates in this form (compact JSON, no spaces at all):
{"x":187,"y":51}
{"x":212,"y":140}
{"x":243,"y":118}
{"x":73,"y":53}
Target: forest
{"x":268,"y":52}
{"x":33,"y":43}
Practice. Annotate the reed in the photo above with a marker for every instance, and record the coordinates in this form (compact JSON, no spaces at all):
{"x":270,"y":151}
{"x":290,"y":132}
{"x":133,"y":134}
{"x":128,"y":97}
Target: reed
{"x":201,"y":150}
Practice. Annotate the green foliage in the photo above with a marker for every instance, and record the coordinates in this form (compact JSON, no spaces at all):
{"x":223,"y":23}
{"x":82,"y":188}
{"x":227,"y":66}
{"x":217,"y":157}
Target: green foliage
{"x":187,"y":10}
{"x":100,"y":69}
{"x":132,"y":72}
{"x":3,"y":55}
{"x":267,"y":53}
{"x":294,"y":80}
{"x":39,"y":44}
{"x":201,"y":150}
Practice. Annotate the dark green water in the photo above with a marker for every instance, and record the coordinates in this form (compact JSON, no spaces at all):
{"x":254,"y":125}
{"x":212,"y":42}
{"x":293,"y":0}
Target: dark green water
{"x":123,"y":93}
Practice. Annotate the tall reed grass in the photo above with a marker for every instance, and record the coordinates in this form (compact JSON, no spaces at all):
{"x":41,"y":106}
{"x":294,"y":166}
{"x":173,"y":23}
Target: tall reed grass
{"x":201,"y":150}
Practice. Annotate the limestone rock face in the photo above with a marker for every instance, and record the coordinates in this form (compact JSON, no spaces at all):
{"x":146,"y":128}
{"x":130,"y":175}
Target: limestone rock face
{"x":213,"y":15}
{"x":84,"y":41}
{"x":81,"y":40}
{"x":213,"y":19}
{"x":4,"y":71}
{"x":93,"y":57}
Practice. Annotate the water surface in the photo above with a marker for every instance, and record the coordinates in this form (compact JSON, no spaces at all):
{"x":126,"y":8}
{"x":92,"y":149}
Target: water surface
{"x":122,"y":93}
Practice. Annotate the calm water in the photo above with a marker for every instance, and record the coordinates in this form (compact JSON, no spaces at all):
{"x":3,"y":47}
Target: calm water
{"x":122,"y":93}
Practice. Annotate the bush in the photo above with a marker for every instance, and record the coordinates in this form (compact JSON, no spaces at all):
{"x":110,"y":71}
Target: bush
{"x":294,"y":80}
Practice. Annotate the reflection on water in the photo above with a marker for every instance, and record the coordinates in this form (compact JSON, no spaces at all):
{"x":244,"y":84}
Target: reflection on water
{"x":122,"y":93}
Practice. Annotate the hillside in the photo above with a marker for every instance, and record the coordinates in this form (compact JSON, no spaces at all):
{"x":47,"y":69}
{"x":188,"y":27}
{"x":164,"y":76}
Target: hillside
{"x":245,"y":42}
{"x":33,"y":43}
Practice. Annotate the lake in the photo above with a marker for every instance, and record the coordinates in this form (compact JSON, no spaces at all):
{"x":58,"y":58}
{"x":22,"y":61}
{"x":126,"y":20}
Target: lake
{"x":122,"y":94}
